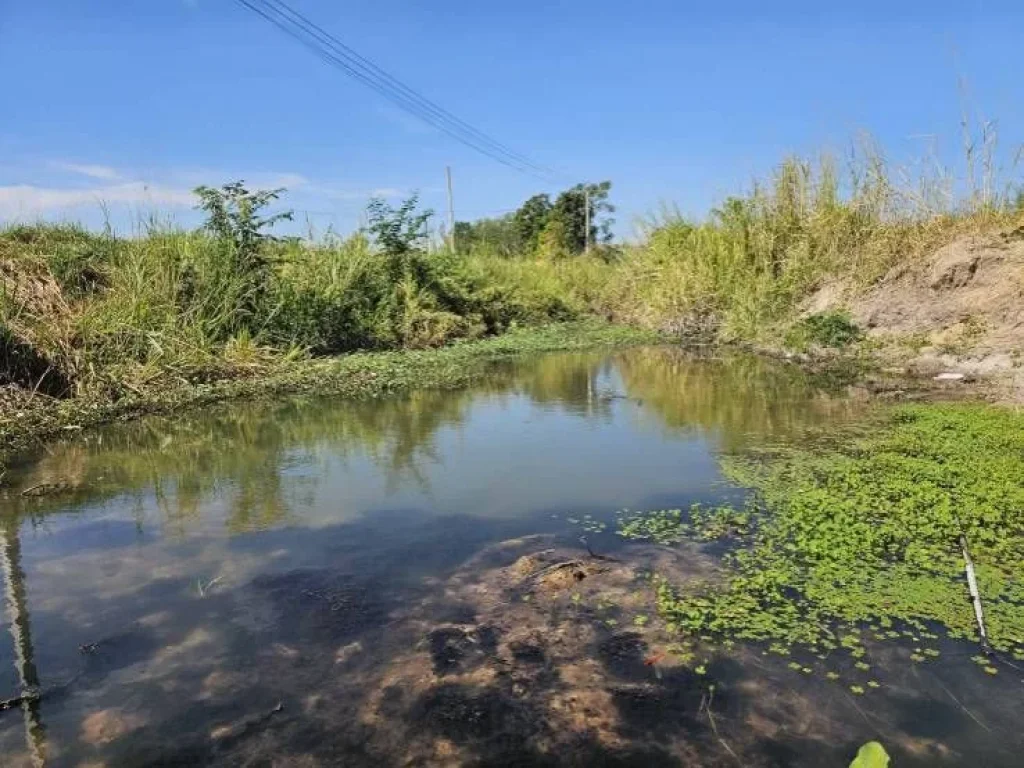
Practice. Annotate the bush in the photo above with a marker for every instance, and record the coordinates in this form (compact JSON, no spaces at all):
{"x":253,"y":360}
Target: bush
{"x":824,"y":329}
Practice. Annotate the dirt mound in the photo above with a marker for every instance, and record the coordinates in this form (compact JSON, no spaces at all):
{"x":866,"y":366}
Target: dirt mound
{"x":960,"y":309}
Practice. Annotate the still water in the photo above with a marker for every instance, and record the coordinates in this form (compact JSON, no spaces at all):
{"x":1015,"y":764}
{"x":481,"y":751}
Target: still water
{"x":323,"y":582}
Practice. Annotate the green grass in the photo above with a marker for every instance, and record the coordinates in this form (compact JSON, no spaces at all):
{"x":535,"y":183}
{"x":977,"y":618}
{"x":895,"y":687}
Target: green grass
{"x":858,"y":540}
{"x":114,"y":315}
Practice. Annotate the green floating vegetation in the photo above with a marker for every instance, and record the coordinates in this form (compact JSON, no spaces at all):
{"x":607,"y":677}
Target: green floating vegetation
{"x":671,"y":526}
{"x":860,"y":539}
{"x":665,"y":526}
{"x":871,"y":755}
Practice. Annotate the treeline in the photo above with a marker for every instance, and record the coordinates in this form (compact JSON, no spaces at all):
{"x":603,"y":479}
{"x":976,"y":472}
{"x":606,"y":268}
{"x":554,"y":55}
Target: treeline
{"x":578,"y":218}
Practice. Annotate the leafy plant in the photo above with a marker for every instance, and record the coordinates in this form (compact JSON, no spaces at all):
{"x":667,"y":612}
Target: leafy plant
{"x":871,"y":755}
{"x":824,"y":329}
{"x":398,"y":231}
{"x":234,"y":215}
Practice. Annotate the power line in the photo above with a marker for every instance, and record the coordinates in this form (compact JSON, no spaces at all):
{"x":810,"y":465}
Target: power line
{"x":334,"y":52}
{"x":401,"y":87}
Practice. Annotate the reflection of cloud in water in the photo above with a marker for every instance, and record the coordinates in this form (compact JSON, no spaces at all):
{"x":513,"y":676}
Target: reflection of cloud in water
{"x":373,"y":663}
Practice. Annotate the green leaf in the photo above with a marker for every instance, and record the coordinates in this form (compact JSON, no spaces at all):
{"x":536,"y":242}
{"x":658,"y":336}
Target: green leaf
{"x":871,"y":755}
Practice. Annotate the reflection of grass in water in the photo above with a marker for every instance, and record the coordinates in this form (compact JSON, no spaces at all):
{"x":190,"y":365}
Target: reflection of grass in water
{"x":246,"y":451}
{"x":861,"y":541}
{"x":739,"y":397}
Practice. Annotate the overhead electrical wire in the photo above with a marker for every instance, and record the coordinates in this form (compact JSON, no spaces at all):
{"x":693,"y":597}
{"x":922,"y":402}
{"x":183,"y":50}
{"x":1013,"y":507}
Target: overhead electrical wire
{"x":405,"y":90}
{"x":336,"y":53}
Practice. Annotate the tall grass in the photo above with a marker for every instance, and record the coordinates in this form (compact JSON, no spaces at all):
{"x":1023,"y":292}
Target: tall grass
{"x":115,"y":314}
{"x":750,"y":263}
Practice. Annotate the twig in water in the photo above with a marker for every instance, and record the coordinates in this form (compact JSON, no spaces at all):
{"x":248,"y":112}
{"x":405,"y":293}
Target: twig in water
{"x":959,"y":704}
{"x":586,"y":543}
{"x":979,"y":615}
{"x":714,"y":728}
{"x":203,"y":589}
{"x":972,"y":586}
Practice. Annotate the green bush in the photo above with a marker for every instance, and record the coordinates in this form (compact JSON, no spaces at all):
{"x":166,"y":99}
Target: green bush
{"x":834,"y":330}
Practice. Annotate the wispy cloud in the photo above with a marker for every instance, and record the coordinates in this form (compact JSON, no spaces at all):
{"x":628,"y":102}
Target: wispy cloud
{"x":26,"y":200}
{"x":102,"y":172}
{"x":80,"y":190}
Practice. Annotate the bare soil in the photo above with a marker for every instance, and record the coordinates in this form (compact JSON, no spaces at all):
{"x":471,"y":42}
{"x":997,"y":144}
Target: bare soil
{"x":960,"y":310}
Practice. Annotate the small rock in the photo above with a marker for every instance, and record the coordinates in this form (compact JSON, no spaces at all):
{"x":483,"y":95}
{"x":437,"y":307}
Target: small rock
{"x":950,"y":376}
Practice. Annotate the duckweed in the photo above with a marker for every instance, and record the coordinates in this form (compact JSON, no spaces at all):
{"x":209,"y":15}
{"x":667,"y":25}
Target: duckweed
{"x":663,"y":526}
{"x":864,"y":531}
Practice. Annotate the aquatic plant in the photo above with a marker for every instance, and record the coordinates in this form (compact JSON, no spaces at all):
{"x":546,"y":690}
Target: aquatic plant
{"x":871,"y":755}
{"x":665,"y":526}
{"x":860,"y":540}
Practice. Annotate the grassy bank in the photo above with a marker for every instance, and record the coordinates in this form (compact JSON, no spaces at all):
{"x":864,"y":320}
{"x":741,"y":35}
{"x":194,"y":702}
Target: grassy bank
{"x":27,"y":418}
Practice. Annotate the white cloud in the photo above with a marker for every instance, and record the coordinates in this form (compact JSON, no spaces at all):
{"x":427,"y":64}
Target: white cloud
{"x":85,"y":190}
{"x":102,"y":172}
{"x":26,"y":200}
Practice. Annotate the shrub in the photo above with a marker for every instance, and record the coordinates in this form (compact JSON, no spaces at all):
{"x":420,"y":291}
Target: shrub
{"x":824,"y":329}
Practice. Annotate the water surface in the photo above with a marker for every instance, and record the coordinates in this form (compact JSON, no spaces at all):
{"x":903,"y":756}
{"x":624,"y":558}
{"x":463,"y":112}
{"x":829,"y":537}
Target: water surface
{"x":324,"y":582}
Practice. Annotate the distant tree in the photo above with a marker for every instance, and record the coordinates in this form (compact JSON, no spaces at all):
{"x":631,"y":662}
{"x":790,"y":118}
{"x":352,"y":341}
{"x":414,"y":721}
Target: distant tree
{"x":552,"y":230}
{"x":495,"y":236}
{"x":529,"y":221}
{"x":570,"y":209}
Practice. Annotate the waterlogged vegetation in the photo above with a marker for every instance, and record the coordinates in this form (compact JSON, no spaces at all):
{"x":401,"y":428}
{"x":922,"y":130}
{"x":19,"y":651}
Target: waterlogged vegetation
{"x":856,"y":542}
{"x":364,"y":375}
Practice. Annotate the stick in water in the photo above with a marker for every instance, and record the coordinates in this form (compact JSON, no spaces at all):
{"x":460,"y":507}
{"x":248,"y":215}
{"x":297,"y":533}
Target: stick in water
{"x":972,"y":585}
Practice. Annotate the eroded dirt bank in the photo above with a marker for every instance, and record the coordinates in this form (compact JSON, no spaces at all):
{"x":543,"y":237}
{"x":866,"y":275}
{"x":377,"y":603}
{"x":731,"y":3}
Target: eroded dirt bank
{"x":960,"y":311}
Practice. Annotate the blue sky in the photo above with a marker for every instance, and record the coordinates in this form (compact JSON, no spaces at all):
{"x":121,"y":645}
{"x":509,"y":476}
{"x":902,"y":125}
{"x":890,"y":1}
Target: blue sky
{"x":135,"y":102}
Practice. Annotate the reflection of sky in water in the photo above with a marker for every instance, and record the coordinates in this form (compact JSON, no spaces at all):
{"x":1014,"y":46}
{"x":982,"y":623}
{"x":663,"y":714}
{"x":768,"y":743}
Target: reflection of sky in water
{"x":175,"y":527}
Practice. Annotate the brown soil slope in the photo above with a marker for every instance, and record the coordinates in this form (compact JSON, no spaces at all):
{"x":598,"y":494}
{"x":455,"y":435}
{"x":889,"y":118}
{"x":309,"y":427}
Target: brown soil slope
{"x":960,"y":310}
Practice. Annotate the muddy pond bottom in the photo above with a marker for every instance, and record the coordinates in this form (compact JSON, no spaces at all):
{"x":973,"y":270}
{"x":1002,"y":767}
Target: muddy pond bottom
{"x":430,"y":579}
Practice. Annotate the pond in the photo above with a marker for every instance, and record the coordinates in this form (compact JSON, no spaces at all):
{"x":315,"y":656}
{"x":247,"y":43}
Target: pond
{"x":431,"y":579}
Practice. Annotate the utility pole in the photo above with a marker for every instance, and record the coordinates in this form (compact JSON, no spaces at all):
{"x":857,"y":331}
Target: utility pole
{"x":451,"y":209}
{"x":586,"y":210}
